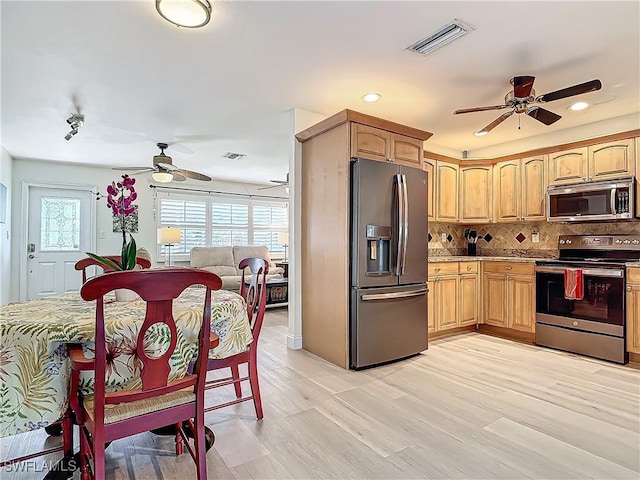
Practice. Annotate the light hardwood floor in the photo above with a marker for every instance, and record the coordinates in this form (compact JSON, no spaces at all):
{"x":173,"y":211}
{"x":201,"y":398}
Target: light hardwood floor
{"x":473,"y":406}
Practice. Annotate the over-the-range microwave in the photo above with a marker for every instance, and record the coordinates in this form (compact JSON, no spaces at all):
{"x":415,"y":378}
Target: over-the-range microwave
{"x":591,"y":201}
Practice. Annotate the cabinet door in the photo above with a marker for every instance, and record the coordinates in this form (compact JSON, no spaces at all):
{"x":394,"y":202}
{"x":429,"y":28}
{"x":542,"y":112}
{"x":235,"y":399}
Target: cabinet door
{"x":468,"y":295}
{"x":446,"y":306}
{"x":431,"y":312}
{"x":370,"y":142}
{"x":430,"y":168}
{"x":476,"y":188}
{"x":534,"y":188}
{"x":447,"y":192}
{"x":612,"y":160}
{"x":506,"y":187}
{"x":495,"y":299}
{"x":406,"y":150}
{"x":521,"y":300}
{"x":633,"y":318}
{"x":568,"y":166}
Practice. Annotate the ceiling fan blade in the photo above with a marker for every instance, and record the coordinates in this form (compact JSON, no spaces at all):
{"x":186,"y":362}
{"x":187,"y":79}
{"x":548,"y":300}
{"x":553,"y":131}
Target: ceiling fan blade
{"x":169,"y":167}
{"x":497,"y":122}
{"x":281,"y":182}
{"x":177,"y":176}
{"x":134,"y":169}
{"x":522,"y":86}
{"x":585,"y":87}
{"x":542,"y":115}
{"x":178,"y":147}
{"x":193,"y":175}
{"x":480,"y":109}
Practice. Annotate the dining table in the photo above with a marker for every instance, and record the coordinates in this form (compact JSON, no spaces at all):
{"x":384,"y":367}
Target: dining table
{"x":34,"y":366}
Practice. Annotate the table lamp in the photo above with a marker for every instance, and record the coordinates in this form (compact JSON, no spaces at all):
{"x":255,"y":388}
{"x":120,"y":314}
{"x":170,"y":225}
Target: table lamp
{"x":283,"y":239}
{"x":168,"y":236}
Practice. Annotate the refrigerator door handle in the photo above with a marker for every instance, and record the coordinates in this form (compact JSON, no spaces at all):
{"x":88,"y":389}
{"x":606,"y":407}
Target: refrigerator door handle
{"x":387,"y":296}
{"x":400,"y":215}
{"x":405,"y":235}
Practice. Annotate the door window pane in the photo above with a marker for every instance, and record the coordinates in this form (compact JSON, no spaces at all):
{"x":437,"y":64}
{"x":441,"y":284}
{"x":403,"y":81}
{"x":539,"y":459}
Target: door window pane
{"x":59,"y":224}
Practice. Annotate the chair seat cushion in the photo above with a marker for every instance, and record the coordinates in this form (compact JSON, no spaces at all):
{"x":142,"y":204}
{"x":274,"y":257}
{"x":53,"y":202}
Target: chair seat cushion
{"x":122,"y":411}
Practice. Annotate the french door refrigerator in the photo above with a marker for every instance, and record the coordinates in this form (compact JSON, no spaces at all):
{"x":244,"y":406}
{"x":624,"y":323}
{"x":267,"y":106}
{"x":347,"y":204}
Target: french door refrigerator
{"x":388,"y":310}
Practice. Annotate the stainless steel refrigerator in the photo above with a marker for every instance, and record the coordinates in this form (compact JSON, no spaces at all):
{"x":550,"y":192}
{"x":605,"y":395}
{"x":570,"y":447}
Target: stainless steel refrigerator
{"x":388,"y":311}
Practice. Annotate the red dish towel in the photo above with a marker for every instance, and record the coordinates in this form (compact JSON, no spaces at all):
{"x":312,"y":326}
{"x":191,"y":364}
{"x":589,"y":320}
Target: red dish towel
{"x":573,"y":284}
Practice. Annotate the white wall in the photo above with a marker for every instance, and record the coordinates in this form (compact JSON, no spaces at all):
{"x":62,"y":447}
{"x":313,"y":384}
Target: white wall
{"x":60,"y":173}
{"x":5,"y":229}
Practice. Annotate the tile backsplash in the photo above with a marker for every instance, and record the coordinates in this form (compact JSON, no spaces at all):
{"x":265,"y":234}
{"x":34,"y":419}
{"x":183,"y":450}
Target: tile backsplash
{"x":516,"y":238}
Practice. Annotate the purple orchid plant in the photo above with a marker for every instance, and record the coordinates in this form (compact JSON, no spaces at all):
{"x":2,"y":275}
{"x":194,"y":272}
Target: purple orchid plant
{"x":120,"y":198}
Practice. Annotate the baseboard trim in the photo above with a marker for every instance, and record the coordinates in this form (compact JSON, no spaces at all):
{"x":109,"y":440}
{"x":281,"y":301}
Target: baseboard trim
{"x":294,"y":343}
{"x":524,"y":337}
{"x":451,"y":332}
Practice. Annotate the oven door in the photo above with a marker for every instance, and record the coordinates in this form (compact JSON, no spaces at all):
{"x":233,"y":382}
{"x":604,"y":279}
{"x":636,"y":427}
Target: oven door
{"x":601,"y":310}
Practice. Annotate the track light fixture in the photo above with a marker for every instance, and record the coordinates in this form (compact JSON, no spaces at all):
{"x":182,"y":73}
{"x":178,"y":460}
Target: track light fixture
{"x":75,"y":120}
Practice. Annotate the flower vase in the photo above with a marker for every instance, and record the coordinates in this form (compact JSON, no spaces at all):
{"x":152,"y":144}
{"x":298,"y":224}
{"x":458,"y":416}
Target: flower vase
{"x":125,"y":295}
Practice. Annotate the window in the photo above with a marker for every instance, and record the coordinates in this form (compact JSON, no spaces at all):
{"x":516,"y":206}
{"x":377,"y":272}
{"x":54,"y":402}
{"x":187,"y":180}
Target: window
{"x":217,"y":220}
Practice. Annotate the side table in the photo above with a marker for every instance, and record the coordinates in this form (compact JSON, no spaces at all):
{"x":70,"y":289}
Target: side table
{"x":284,"y":265}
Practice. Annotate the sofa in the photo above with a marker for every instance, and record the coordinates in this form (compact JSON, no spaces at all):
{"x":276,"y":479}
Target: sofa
{"x":223,"y":261}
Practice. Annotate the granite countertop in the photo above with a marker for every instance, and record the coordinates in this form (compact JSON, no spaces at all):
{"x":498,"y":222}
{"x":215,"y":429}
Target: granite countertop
{"x":464,"y":258}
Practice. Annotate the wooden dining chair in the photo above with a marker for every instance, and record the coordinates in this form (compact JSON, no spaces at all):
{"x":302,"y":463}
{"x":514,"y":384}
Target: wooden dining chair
{"x":105,"y":416}
{"x":85,"y":263}
{"x":254,"y":291}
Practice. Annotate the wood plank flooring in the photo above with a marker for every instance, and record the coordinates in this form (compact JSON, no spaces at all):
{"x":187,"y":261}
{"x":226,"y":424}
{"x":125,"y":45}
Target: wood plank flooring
{"x":472,"y":407}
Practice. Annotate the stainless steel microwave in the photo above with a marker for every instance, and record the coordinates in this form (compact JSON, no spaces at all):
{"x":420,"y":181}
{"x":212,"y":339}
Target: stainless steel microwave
{"x":591,"y":201}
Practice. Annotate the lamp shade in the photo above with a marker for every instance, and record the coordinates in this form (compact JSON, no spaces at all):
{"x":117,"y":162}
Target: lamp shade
{"x":168,"y":235}
{"x":283,"y":238}
{"x":162,"y":177}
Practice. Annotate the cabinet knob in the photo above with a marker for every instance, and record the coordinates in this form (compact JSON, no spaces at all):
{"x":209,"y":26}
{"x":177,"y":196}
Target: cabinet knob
{"x":438,"y":269}
{"x":468,"y":268}
{"x":390,"y":160}
{"x":628,"y":288}
{"x":508,"y":268}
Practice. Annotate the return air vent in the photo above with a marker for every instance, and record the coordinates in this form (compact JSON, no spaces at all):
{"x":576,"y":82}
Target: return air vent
{"x":233,"y":156}
{"x":444,"y":35}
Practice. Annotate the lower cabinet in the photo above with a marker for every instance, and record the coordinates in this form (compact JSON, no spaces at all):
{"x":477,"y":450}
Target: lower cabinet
{"x":633,"y":310}
{"x":453,"y":295}
{"x":446,"y":291}
{"x":509,"y":295}
{"x":468,"y":300}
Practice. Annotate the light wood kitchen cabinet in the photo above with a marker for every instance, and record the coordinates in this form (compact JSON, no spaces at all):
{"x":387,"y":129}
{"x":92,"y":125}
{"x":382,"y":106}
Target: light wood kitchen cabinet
{"x":445,"y":295}
{"x":468,"y":299}
{"x":520,"y":189}
{"x":455,"y":299}
{"x":633,"y":310}
{"x":612,"y":160}
{"x":568,"y":166}
{"x":447,"y":192}
{"x":377,"y":144}
{"x":476,"y":199}
{"x":430,"y":167}
{"x":509,"y":295}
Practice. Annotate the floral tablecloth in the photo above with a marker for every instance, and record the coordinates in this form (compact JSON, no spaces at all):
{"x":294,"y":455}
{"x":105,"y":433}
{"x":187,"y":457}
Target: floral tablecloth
{"x":34,"y":367}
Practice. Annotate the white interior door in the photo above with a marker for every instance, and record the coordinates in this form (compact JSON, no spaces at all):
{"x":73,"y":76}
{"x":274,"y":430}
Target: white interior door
{"x":59,"y":233}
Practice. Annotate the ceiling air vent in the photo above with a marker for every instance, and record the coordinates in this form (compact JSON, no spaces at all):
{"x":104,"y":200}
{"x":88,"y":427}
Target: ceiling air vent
{"x":444,"y":35}
{"x":233,"y":156}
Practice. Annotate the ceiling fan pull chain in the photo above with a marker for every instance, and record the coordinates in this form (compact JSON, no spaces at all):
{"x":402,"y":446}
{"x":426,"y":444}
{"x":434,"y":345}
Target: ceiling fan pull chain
{"x":518,"y":122}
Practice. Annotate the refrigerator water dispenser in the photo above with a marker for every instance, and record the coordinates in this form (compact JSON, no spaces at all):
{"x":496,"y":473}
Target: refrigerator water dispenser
{"x":378,"y":244}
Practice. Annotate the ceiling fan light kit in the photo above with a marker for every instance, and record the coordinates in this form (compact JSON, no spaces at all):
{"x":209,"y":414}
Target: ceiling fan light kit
{"x":185,"y":13}
{"x":162,"y":177}
{"x":523,"y":94}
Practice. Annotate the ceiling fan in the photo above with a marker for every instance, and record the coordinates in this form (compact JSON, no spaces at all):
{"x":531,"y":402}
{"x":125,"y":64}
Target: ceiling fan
{"x":164,"y":170}
{"x":278,"y":183}
{"x":523,"y":95}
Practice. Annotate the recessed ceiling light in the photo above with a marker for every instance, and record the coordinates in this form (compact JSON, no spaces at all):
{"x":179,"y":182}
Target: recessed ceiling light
{"x":371,"y":97}
{"x":480,"y":133}
{"x":578,"y":106}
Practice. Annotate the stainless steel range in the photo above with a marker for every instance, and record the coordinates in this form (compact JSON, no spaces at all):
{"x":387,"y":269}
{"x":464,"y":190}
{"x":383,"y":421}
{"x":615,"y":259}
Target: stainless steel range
{"x":592,"y":323}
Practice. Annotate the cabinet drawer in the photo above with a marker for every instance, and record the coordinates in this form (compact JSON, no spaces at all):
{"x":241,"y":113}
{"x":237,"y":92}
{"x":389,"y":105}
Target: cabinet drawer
{"x":467,"y":267}
{"x":509,"y":268}
{"x":633,"y":275}
{"x":444,"y":268}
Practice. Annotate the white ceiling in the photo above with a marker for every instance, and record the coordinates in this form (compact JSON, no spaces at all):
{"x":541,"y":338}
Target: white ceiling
{"x":230,"y":85}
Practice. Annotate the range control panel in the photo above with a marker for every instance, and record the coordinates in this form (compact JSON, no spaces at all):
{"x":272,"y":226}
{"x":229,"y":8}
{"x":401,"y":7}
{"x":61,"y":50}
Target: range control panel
{"x":599,"y":242}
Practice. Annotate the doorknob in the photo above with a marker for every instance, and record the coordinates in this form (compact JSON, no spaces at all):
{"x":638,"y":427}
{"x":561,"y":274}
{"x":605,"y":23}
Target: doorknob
{"x":32,"y":256}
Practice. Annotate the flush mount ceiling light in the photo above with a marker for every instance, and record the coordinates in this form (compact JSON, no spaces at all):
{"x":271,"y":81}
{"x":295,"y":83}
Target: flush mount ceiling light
{"x":185,"y":13}
{"x":455,"y":29}
{"x":371,"y":97}
{"x":162,"y":177}
{"x":578,"y":106}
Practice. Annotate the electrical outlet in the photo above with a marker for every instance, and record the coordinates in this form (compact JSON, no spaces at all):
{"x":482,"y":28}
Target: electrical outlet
{"x":443,"y":237}
{"x":103,"y":234}
{"x":535,"y":237}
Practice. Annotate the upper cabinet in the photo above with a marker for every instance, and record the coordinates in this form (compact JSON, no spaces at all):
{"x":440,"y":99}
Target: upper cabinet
{"x":447,"y":206}
{"x":476,"y":187}
{"x":377,"y":144}
{"x":612,"y":159}
{"x":429,"y":166}
{"x":568,"y":166}
{"x":520,"y":190}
